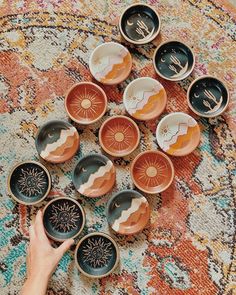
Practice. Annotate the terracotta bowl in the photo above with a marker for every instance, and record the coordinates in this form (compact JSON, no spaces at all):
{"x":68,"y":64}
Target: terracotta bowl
{"x":57,"y":141}
{"x":29,"y":182}
{"x":119,"y":136}
{"x":63,"y":218}
{"x":145,"y":98}
{"x":128,"y":212}
{"x":110,"y":63}
{"x":178,"y":134}
{"x":97,"y":255}
{"x":139,"y":23}
{"x":152,"y":172}
{"x":86,"y":103}
{"x":94,"y":175}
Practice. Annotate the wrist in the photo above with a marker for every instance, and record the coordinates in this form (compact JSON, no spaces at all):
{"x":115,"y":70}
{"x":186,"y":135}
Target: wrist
{"x":39,"y":277}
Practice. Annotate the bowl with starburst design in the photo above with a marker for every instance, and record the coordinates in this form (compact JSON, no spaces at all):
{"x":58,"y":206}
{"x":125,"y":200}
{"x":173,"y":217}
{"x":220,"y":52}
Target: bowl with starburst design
{"x":97,"y":255}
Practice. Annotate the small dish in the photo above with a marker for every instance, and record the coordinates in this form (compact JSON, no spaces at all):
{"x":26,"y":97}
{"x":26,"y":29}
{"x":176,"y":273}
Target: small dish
{"x":139,"y":23}
{"x":178,"y":134}
{"x":110,"y":63}
{"x":86,"y":103}
{"x":57,"y":141}
{"x":63,"y":218}
{"x":119,"y":136}
{"x":208,"y":96}
{"x":152,"y":172}
{"x":173,"y":60}
{"x":29,"y":182}
{"x":128,"y":212}
{"x":94,"y":175}
{"x":97,"y":255}
{"x":144,"y":98}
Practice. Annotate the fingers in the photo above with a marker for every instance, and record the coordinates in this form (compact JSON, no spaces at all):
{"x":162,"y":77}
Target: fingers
{"x":31,"y":232}
{"x":65,"y":246}
{"x":28,"y":263}
{"x":39,"y":229}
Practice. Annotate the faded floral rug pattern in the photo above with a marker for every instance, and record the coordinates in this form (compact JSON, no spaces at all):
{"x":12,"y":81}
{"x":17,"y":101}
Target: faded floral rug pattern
{"x":189,"y":245}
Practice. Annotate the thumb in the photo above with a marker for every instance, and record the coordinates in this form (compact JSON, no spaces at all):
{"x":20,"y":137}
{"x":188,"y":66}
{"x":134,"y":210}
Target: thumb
{"x":65,"y":246}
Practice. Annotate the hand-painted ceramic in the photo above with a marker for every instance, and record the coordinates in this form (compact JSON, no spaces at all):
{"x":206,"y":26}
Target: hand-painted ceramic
{"x":110,"y":63}
{"x":128,"y":212}
{"x":173,"y":60}
{"x":139,"y":23}
{"x":57,"y":141}
{"x":29,"y":182}
{"x":63,"y":218}
{"x":178,"y":134}
{"x":97,"y":255}
{"x":152,"y":172}
{"x":86,"y":103}
{"x":145,"y":98}
{"x":208,"y":96}
{"x":119,"y":136}
{"x":94,"y":175}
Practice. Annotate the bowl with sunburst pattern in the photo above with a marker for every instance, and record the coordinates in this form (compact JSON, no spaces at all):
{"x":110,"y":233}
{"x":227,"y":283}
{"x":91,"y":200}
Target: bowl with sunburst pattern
{"x":86,"y":103}
{"x":63,"y":218}
{"x":97,"y":255}
{"x":119,"y":136}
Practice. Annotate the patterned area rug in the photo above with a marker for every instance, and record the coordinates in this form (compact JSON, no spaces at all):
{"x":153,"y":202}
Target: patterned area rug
{"x":189,"y":245}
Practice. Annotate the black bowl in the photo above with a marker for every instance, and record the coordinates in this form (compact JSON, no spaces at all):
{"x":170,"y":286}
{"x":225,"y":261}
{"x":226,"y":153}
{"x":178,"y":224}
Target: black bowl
{"x":29,"y":182}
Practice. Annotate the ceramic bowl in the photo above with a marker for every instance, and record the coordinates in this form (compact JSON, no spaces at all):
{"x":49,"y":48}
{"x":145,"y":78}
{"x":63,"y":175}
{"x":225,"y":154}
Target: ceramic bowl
{"x":86,"y":103}
{"x":110,"y":63}
{"x":178,"y":134}
{"x":94,"y":175}
{"x":97,"y":255}
{"x":208,"y":96}
{"x":29,"y":182}
{"x":63,"y":218}
{"x":57,"y":141}
{"x":152,"y":172}
{"x":139,"y":23}
{"x":119,"y":136}
{"x":128,"y":212}
{"x":144,"y":98}
{"x":173,"y":60}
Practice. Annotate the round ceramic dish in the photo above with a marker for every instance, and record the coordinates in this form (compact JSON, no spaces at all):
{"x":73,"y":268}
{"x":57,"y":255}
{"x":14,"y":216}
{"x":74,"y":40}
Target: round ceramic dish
{"x":97,"y":255}
{"x":29,"y":182}
{"x":110,"y":63}
{"x":128,"y":212}
{"x":208,"y":96}
{"x":139,"y":23}
{"x":119,"y":136}
{"x":144,"y":98}
{"x":173,"y":60}
{"x":57,"y":141}
{"x":178,"y":134}
{"x":152,"y":172}
{"x":63,"y":218}
{"x":86,"y":103}
{"x":94,"y":175}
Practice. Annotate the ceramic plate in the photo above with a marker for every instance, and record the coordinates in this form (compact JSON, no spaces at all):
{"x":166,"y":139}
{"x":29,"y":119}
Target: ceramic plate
{"x":94,"y":175}
{"x":97,"y":255}
{"x":178,"y":134}
{"x":86,"y":103}
{"x":173,"y":60}
{"x":119,"y":136}
{"x":139,"y":23}
{"x":208,"y":96}
{"x":145,"y":98}
{"x":152,"y":172}
{"x":29,"y":182}
{"x":63,"y":218}
{"x":57,"y":141}
{"x":110,"y":63}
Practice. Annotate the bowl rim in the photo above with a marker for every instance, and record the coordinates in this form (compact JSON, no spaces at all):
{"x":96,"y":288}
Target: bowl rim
{"x":137,"y":42}
{"x":83,"y":216}
{"x":202,"y":114}
{"x":9,"y":182}
{"x":96,"y":233}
